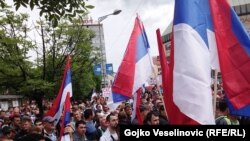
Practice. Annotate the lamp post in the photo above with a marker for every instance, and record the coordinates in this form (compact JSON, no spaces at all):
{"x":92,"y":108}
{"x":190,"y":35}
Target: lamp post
{"x":103,"y":51}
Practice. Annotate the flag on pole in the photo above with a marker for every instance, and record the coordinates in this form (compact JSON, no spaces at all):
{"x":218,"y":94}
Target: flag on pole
{"x":66,"y":88}
{"x":135,"y":68}
{"x":136,"y":107}
{"x":190,"y":68}
{"x":165,"y":75}
{"x":65,"y":119}
{"x":234,"y":56}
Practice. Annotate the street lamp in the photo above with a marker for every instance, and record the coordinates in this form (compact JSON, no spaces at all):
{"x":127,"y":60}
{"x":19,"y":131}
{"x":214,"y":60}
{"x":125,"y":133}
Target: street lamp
{"x":116,"y":12}
{"x":103,"y":52}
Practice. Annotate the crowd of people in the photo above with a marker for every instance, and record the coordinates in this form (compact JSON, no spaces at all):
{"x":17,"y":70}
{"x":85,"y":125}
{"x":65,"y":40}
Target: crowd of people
{"x":92,"y":120}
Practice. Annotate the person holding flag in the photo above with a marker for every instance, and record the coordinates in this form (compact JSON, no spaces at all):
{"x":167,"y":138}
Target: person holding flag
{"x":61,"y":105}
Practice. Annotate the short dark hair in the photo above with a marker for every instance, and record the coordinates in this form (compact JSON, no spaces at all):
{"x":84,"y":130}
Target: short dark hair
{"x":108,"y":117}
{"x":37,"y":120}
{"x":149,"y":116}
{"x":79,"y":122}
{"x":222,"y":105}
{"x":26,"y":119}
{"x":88,"y":113}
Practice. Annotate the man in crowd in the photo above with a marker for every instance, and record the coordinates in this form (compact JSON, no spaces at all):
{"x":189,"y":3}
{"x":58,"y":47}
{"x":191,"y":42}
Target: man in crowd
{"x":152,"y":118}
{"x":25,"y":128}
{"x":49,"y":129}
{"x":111,"y":132}
{"x":79,"y":134}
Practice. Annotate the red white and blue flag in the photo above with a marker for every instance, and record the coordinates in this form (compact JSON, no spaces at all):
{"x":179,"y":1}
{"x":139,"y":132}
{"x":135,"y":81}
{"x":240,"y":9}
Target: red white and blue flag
{"x":56,"y":110}
{"x":135,"y":68}
{"x":207,"y":34}
{"x":234,"y":56}
{"x":189,"y":99}
{"x":65,"y":119}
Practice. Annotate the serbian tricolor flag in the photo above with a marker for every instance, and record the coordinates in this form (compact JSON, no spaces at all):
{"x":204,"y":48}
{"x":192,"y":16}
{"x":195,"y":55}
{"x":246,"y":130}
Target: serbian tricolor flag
{"x":135,"y":68}
{"x":189,"y":99}
{"x":56,"y":110}
{"x":65,"y":119}
{"x":234,"y":56}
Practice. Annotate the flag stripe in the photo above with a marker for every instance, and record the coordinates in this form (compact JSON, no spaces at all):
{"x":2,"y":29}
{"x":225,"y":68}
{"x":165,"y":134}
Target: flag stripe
{"x":233,"y":50}
{"x":143,"y":70}
{"x":191,"y":63}
{"x":193,"y":18}
{"x":66,"y":117}
{"x":240,"y":33}
{"x":140,"y":51}
{"x":175,"y":115}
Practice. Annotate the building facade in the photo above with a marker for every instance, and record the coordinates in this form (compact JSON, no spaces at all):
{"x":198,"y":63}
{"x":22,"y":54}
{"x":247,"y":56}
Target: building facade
{"x":99,"y":43}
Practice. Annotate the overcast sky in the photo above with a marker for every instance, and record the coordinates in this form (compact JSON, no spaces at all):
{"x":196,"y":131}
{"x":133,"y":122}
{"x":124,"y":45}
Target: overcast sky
{"x":117,"y":28}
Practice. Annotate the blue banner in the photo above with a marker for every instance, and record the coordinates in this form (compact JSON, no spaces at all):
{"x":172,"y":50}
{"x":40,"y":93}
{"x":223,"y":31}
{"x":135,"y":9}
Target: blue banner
{"x":109,"y":68}
{"x":98,"y":69}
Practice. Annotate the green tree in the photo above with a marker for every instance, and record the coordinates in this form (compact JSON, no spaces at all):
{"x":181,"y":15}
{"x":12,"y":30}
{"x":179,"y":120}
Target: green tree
{"x":43,"y":77}
{"x":74,"y":39}
{"x":54,"y":10}
{"x":14,"y":68}
{"x":17,"y":74}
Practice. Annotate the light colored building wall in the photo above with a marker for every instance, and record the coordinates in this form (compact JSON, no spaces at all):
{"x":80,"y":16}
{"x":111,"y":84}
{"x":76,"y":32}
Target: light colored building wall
{"x":99,"y":42}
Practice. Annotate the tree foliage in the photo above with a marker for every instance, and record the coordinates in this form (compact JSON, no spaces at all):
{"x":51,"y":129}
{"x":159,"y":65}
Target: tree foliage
{"x":73,"y":39}
{"x":15,"y":69}
{"x":22,"y":76}
{"x":54,"y":10}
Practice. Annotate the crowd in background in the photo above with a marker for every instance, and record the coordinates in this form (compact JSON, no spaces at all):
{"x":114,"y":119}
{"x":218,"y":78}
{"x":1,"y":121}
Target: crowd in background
{"x":93,"y":119}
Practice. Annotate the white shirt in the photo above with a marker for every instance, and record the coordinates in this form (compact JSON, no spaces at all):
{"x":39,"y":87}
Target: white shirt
{"x":107,"y":136}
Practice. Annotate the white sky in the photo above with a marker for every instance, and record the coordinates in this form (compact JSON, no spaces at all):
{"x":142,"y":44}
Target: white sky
{"x":117,"y":28}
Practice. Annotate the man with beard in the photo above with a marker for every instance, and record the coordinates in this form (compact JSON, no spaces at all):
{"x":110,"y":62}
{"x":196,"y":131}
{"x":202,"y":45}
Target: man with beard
{"x":111,"y":132}
{"x":102,"y":125}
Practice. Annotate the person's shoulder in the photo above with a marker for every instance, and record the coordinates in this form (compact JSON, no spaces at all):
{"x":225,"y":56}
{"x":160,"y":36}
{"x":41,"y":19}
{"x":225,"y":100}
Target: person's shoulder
{"x":222,"y":120}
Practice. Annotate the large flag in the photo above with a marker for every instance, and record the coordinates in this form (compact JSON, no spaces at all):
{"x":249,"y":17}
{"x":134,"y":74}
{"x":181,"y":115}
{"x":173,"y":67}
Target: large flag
{"x":65,"y":119}
{"x":66,"y":88}
{"x":234,"y":56}
{"x":190,"y":68}
{"x":135,"y":68}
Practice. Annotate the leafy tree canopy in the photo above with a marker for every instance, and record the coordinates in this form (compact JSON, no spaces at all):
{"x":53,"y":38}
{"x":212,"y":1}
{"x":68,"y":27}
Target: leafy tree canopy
{"x":54,"y":10}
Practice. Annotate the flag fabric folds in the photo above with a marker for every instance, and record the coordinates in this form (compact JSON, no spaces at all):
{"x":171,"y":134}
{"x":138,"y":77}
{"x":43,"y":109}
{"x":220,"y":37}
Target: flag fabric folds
{"x":136,"y":107}
{"x":135,"y":68}
{"x":56,"y":110}
{"x":65,"y":119}
{"x":190,"y":68}
{"x":234,"y":56}
{"x":165,"y":76}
